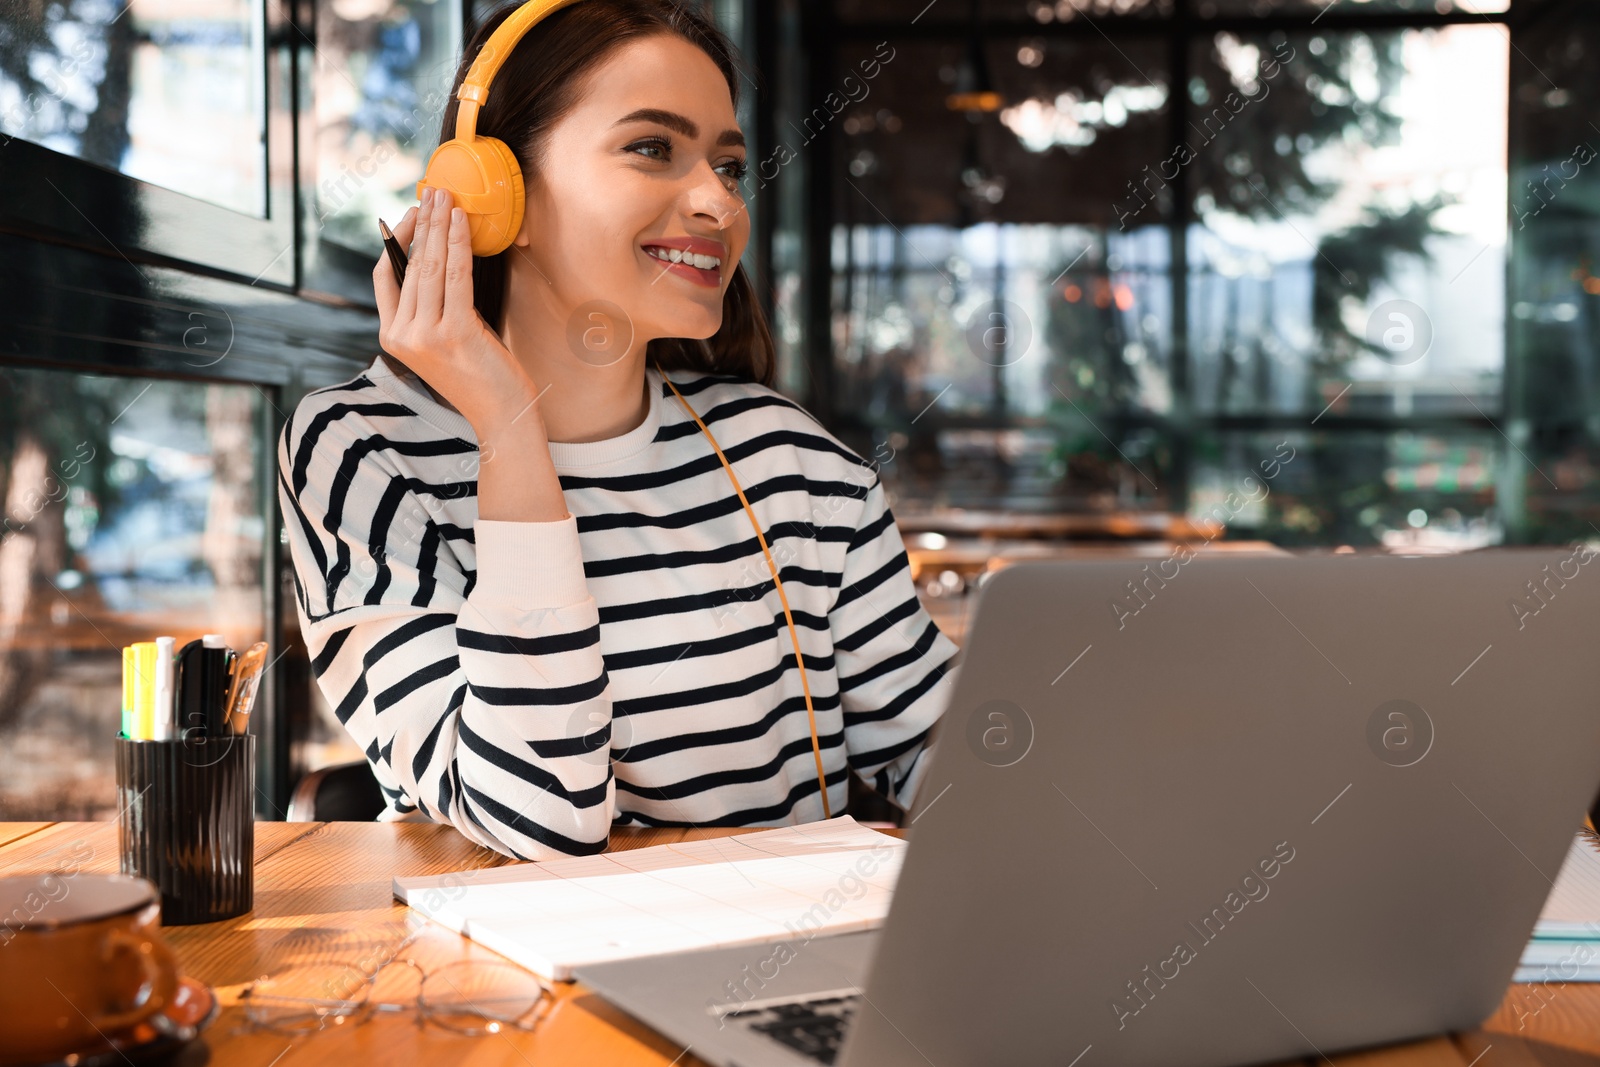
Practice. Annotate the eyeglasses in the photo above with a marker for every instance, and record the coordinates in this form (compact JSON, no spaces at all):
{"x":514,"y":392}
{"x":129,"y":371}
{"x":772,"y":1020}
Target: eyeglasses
{"x":470,"y":997}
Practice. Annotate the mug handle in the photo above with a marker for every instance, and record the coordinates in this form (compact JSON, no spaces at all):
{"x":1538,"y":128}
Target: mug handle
{"x":160,"y":977}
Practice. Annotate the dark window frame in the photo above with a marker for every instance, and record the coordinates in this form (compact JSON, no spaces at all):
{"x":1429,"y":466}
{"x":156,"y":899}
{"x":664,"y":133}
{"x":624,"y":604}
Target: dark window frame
{"x":148,"y":223}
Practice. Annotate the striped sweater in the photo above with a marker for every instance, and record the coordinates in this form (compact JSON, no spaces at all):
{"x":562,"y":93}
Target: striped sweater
{"x":536,"y":683}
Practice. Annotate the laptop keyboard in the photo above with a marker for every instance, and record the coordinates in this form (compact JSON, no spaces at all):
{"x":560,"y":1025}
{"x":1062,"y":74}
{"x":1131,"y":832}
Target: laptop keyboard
{"x":814,"y":1027}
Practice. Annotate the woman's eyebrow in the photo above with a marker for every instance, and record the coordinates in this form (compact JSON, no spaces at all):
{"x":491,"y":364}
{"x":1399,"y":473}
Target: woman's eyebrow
{"x":679,"y":123}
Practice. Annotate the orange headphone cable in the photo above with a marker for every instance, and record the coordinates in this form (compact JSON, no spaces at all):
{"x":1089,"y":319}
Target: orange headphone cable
{"x":811,"y":715}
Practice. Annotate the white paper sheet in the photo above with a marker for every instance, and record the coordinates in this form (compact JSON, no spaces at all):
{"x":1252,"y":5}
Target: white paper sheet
{"x":1566,"y":939}
{"x":788,"y":883}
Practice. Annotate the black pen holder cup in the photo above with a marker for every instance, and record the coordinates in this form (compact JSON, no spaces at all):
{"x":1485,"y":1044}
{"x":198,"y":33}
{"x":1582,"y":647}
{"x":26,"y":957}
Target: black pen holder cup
{"x":187,"y":823}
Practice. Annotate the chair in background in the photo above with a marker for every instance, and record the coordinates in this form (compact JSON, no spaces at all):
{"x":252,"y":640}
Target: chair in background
{"x":867,"y":806}
{"x":344,"y":792}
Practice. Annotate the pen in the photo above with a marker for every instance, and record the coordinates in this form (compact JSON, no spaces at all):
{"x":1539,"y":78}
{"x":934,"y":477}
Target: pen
{"x":397,"y":255}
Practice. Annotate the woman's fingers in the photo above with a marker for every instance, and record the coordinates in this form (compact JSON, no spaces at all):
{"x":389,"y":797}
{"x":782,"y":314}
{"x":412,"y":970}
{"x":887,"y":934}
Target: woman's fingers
{"x":430,"y":280}
{"x":458,"y":305}
{"x":434,"y":324}
{"x":414,"y":254}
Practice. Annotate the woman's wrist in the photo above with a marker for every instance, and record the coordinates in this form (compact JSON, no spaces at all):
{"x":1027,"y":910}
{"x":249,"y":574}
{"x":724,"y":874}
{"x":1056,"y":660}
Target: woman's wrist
{"x":511,"y":407}
{"x":517,"y":479}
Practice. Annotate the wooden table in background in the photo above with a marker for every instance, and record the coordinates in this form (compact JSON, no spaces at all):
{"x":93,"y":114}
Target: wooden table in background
{"x":323,"y":895}
{"x":971,"y":557}
{"x":1095,"y":526}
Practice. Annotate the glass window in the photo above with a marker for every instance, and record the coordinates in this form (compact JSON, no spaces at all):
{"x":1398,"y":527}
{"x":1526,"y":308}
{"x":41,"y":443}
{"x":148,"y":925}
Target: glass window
{"x":1213,"y":8}
{"x":165,"y":91}
{"x":1405,"y":489}
{"x":1350,"y":245}
{"x":956,"y":11}
{"x":1553,"y":388}
{"x":1000,"y":320}
{"x":981,"y":278}
{"x":132,"y":509}
{"x":382,"y":76}
{"x":1074,"y":461}
{"x":1123,"y":285}
{"x":783,"y":202}
{"x":1071,"y":122}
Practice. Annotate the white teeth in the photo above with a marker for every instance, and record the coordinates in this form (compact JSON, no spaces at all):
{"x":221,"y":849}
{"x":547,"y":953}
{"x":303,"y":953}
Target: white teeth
{"x":678,"y":256}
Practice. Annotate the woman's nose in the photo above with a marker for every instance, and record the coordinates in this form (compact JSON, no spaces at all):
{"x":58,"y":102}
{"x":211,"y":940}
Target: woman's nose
{"x":711,"y":196}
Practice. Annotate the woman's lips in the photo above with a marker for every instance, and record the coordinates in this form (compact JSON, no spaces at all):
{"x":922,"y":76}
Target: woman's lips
{"x":710,"y":279}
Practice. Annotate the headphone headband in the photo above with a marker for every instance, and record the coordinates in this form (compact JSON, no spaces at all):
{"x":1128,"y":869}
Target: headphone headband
{"x":474,"y":91}
{"x":482,"y":173}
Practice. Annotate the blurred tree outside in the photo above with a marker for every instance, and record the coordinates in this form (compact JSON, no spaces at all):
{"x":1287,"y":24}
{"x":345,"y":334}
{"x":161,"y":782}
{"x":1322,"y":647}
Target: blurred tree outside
{"x":1260,"y":105}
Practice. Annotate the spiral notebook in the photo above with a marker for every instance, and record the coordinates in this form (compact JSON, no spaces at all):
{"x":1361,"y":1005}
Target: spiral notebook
{"x":793,"y":882}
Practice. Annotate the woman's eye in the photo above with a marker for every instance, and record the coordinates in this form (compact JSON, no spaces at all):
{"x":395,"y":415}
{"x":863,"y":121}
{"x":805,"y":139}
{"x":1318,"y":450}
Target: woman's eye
{"x":736,"y":169}
{"x":658,"y":143}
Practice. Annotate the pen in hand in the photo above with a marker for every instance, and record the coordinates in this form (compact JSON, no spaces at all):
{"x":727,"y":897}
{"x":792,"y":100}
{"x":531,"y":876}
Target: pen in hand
{"x":397,"y":255}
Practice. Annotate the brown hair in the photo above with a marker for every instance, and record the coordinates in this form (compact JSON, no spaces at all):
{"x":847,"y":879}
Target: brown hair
{"x":537,"y":86}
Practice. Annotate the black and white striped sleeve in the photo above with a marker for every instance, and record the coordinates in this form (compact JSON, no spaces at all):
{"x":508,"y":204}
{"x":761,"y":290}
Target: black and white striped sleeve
{"x":895,"y":666}
{"x":479,"y":695}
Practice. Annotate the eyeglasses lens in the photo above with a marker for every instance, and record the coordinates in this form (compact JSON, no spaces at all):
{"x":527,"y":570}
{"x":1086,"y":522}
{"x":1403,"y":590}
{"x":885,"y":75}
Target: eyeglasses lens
{"x":476,"y":997}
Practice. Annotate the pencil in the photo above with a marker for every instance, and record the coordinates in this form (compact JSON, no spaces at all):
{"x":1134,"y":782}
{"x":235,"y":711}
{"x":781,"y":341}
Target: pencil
{"x":397,"y":255}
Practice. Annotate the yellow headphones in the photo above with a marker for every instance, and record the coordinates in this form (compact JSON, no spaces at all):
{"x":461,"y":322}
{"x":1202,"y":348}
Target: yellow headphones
{"x":482,"y":173}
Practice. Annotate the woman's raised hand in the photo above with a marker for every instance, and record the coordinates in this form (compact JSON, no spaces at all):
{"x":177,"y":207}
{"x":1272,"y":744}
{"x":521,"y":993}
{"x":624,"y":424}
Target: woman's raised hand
{"x":431,"y":324}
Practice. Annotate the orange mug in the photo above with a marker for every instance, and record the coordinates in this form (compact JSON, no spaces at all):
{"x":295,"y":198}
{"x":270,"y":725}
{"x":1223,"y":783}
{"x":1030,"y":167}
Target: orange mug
{"x":81,"y":960}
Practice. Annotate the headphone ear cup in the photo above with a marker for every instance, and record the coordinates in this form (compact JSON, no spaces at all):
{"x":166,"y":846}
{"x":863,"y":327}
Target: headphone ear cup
{"x":495,"y":232}
{"x":485,"y":181}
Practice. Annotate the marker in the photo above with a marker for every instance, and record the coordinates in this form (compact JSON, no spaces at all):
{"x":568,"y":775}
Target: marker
{"x":144,"y":698}
{"x":163,"y":712}
{"x":214,"y":677}
{"x":189,"y":710}
{"x":130,"y":674}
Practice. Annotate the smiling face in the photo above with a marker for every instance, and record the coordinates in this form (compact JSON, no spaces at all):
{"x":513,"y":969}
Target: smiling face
{"x":644,"y":167}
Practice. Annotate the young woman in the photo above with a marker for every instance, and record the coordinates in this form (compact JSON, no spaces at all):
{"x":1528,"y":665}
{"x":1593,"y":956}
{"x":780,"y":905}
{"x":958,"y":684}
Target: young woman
{"x":529,"y":588}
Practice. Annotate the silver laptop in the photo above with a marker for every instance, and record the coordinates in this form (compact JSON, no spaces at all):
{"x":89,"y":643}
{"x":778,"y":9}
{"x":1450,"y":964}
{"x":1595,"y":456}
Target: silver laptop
{"x":1218,"y":811}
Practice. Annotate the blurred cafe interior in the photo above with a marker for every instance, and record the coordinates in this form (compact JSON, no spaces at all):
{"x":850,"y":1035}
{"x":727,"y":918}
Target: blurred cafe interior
{"x":1090,"y":277}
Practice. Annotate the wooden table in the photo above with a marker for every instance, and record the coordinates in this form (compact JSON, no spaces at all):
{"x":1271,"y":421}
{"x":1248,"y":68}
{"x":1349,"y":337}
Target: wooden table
{"x":1053,"y":524}
{"x":322,"y":894}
